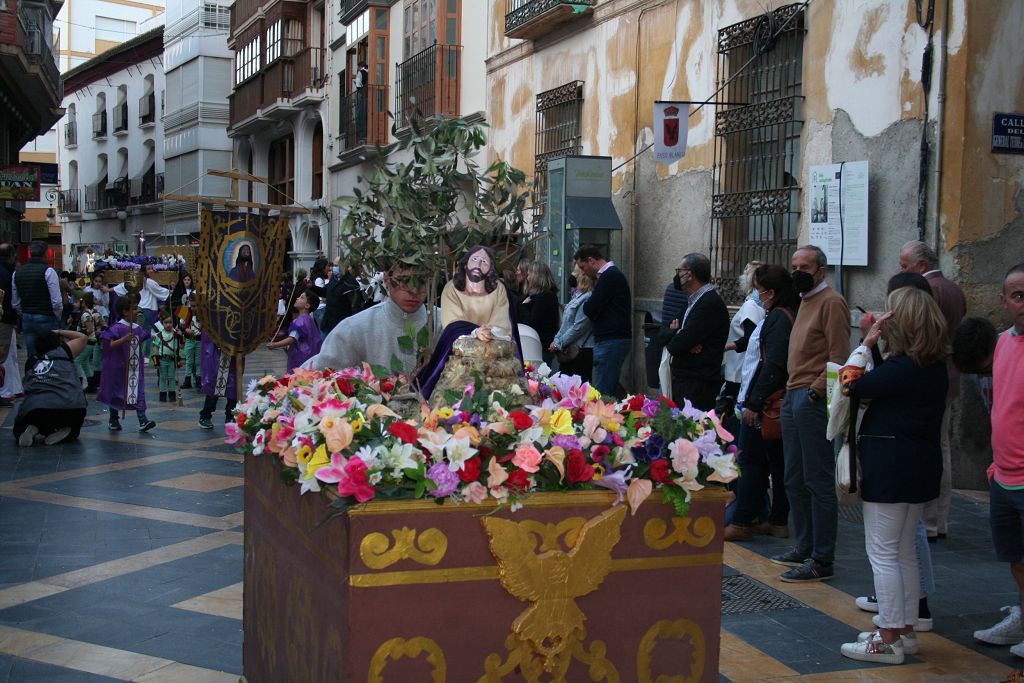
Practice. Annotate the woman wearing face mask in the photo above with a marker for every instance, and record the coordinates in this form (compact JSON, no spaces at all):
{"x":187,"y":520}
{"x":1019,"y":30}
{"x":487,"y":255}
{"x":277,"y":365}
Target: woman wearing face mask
{"x":750,"y":313}
{"x":763,"y":373}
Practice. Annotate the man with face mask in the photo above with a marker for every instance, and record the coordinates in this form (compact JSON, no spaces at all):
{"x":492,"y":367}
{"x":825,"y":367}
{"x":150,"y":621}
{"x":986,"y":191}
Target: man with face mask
{"x":820,"y":334}
{"x":701,"y":332}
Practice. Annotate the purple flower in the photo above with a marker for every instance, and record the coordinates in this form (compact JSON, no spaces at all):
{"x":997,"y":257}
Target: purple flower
{"x":655,"y":446}
{"x":444,"y":479}
{"x":566,"y":383}
{"x":474,"y":420}
{"x":650,"y":408}
{"x":566,"y":441}
{"x":616,"y":482}
{"x":691,"y":412}
{"x":640,"y":453}
{"x":707,"y":445}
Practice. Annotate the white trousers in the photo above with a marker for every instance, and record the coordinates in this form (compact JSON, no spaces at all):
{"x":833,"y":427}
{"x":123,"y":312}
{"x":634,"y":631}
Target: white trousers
{"x":889,"y":540}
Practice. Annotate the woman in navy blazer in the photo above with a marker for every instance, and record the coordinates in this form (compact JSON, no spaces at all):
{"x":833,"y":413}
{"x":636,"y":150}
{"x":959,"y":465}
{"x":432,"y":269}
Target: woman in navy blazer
{"x":901,"y":462}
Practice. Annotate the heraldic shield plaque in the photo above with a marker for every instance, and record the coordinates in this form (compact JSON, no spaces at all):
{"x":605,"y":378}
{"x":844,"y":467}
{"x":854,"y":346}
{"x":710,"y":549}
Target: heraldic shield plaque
{"x":238,"y":269}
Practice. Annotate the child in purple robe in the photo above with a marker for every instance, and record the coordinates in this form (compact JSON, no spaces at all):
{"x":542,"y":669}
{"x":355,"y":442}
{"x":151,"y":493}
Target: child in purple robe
{"x":218,"y":374}
{"x":123,"y":380}
{"x":303,"y":340}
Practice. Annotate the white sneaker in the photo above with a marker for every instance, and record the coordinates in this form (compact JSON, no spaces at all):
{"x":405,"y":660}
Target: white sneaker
{"x":921,"y":626}
{"x":26,"y":438}
{"x":1006,"y":632}
{"x":909,"y":641}
{"x":57,"y":436}
{"x":868,"y":603}
{"x":874,"y":650}
{"x":1018,"y":650}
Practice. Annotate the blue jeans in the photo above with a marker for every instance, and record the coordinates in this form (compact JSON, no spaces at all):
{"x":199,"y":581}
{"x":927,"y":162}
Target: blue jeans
{"x":32,"y":324}
{"x":759,"y":459}
{"x":924,"y":560}
{"x":810,"y":476}
{"x":608,"y":358}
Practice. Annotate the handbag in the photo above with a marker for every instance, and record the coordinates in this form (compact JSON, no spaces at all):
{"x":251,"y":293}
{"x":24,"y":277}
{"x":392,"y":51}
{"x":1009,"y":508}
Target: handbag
{"x":848,"y":474}
{"x":665,"y":374}
{"x":771,"y":409}
{"x":569,"y":354}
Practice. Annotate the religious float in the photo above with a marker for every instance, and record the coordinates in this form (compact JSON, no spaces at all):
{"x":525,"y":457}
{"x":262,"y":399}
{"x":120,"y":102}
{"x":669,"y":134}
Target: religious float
{"x":117,"y":268}
{"x":493,"y":535}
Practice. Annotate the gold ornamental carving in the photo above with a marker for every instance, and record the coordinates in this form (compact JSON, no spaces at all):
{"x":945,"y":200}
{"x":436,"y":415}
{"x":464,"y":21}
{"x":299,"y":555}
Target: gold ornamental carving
{"x":524,"y":662}
{"x":399,"y":648}
{"x":429,"y":547}
{"x":671,"y":630}
{"x":658,"y":536}
{"x":551,"y":535}
{"x":549,"y":634}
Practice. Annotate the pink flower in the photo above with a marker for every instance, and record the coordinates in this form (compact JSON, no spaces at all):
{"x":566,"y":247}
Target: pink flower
{"x":474,"y":492}
{"x":355,"y":483}
{"x":234,"y":433}
{"x":333,"y":473}
{"x":527,"y":457}
{"x":685,"y":456}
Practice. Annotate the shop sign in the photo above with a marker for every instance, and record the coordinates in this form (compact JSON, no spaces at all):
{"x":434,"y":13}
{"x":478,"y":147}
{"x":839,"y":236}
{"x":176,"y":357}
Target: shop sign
{"x":19,"y":183}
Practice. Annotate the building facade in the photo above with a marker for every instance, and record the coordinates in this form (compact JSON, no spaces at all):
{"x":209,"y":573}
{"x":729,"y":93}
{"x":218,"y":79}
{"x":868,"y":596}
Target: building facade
{"x":198,"y":73}
{"x":88,"y":28}
{"x":30,"y":98}
{"x":912,"y":89}
{"x":111,"y":163}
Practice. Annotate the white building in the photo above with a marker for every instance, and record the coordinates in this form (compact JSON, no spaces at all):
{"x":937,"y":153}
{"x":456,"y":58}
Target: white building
{"x":111,"y":164}
{"x":197,"y":63}
{"x":91,"y":27}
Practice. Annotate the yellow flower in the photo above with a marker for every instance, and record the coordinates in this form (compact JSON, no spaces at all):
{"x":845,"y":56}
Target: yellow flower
{"x":358,"y":423}
{"x":593,"y":394}
{"x":598,"y":471}
{"x":319,"y":460}
{"x":302,"y":455}
{"x":445,"y":413}
{"x":561,"y":422}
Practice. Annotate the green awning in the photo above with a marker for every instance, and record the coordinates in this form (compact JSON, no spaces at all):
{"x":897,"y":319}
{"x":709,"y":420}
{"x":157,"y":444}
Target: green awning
{"x":591,"y":212}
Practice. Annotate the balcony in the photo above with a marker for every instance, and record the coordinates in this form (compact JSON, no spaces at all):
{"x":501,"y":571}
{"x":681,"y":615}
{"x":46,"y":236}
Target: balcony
{"x":104,"y":196}
{"x":147,"y":110}
{"x":99,"y":125}
{"x":121,"y":118}
{"x":69,"y":201}
{"x":428,"y":83}
{"x":146,"y":189}
{"x":531,"y":19}
{"x":364,"y":118}
{"x":71,"y":134}
{"x":245,"y":101}
{"x":28,"y":63}
{"x":350,"y":9}
{"x":291,"y":81}
{"x":242,"y":11}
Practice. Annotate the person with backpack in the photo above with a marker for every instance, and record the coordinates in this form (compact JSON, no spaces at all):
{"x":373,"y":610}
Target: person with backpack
{"x":54,"y":405}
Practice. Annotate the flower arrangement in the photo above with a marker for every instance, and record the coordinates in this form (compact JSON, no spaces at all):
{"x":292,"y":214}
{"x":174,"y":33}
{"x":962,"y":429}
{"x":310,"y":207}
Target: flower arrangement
{"x":117,"y":261}
{"x":333,"y":430}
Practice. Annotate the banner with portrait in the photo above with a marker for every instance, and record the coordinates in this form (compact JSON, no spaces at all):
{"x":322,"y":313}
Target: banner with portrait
{"x":238,"y":270}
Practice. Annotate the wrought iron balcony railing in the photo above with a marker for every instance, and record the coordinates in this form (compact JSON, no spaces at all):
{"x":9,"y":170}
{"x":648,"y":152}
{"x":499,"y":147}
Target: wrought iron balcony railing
{"x":99,"y":125}
{"x":428,"y":83}
{"x":364,"y":117}
{"x":69,"y":201}
{"x":71,"y":133}
{"x":121,"y":118}
{"x":530,"y":19}
{"x":147,"y":109}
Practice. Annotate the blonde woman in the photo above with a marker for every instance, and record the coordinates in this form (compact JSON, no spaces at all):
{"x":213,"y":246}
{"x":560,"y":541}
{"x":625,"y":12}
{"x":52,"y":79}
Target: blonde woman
{"x":575,"y":339}
{"x":539,"y":306}
{"x":901,"y":462}
{"x":748,"y":317}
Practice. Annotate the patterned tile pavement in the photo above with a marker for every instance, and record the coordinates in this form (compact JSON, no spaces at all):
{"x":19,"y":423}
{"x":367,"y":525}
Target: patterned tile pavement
{"x":121,"y":559}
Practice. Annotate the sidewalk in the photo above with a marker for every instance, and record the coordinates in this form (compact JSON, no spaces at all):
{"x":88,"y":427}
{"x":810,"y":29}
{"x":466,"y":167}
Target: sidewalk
{"x":121,"y":559}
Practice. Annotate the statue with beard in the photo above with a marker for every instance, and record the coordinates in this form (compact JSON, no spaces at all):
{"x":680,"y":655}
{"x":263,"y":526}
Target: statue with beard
{"x":474,"y":303}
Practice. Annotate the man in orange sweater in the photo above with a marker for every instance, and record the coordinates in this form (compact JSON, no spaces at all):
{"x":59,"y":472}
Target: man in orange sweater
{"x":820,"y":334}
{"x":1006,"y":474}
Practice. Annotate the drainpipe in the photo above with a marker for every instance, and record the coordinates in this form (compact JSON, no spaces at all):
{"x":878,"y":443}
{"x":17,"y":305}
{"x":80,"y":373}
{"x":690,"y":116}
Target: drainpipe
{"x":939,"y":130}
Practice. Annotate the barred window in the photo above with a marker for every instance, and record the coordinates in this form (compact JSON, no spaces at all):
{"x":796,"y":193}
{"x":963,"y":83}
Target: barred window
{"x":756,"y":202}
{"x":273,"y":42}
{"x":216,"y":16}
{"x":558,"y":131}
{"x":247,"y":61}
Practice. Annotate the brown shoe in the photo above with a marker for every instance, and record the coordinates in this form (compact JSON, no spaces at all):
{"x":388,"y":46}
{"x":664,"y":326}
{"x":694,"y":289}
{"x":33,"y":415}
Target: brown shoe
{"x":736,"y":533}
{"x":769,"y":529}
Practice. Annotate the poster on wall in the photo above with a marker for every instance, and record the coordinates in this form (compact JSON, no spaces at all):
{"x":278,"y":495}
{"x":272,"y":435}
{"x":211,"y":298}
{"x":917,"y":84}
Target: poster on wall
{"x":838,"y":210}
{"x":19,"y":183}
{"x":670,"y":131}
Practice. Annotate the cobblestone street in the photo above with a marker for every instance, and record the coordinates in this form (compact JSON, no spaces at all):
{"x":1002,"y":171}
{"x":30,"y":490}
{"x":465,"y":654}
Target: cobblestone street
{"x":121,"y":559}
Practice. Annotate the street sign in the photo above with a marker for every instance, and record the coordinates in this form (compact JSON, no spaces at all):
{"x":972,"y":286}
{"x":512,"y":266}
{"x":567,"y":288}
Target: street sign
{"x":1008,"y":133}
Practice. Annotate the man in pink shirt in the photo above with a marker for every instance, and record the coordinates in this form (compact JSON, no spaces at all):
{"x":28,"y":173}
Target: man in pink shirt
{"x":1006,"y":474}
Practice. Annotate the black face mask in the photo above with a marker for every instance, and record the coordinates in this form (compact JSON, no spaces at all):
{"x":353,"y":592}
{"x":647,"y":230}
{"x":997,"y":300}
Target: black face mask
{"x":677,"y":284}
{"x":802,"y":282}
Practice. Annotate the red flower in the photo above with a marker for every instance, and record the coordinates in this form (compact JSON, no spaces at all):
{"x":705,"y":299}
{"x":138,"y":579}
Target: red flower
{"x":345,"y":386}
{"x":521,"y":420}
{"x":405,"y":432}
{"x":667,"y":401}
{"x":599,"y":453}
{"x":470,"y":470}
{"x":356,"y":483}
{"x":387,"y":386}
{"x":240,"y":419}
{"x":518,"y":480}
{"x":578,"y":470}
{"x":635,"y":402}
{"x":660,"y":471}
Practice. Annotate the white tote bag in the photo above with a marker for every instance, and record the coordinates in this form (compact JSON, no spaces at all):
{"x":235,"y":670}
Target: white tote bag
{"x":665,"y":374}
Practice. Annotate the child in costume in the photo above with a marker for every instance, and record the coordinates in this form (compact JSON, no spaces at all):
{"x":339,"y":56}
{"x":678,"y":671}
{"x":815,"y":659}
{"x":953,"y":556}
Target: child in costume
{"x":218,"y":371}
{"x":89,"y":324}
{"x":123,"y":380}
{"x":166,"y":351}
{"x":303,"y":340}
{"x":193,"y":333}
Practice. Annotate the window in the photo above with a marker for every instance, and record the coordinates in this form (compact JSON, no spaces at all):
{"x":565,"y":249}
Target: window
{"x":281,"y":170}
{"x":273,"y":42}
{"x":318,"y":162}
{"x":755,"y":205}
{"x":559,"y":112}
{"x":247,"y":61}
{"x":216,"y":17}
{"x":419,"y":26}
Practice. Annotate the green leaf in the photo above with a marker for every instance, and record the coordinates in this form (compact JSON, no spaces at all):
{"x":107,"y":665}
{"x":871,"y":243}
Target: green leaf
{"x":423,"y":337}
{"x":380,"y":370}
{"x":421,"y":488}
{"x":405,"y":343}
{"x":397,"y":366}
{"x":414,"y":473}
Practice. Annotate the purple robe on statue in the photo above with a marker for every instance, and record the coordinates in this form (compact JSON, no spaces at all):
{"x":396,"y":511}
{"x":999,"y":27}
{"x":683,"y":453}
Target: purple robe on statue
{"x":113,"y":385}
{"x":210,"y":368}
{"x":307,"y":341}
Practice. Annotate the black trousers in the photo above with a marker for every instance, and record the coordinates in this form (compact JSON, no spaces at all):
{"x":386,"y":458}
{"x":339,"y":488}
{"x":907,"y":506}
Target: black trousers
{"x":702,"y":393}
{"x":210,"y":405}
{"x":582,"y":364}
{"x":50,"y":420}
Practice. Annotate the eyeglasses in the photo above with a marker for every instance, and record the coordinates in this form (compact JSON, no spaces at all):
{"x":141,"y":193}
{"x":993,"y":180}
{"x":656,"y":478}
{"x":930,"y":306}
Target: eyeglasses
{"x":680,"y":271}
{"x":479,"y":261}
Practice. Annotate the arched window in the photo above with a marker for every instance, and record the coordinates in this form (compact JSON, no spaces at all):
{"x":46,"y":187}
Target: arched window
{"x":99,"y":118}
{"x":147,"y":103}
{"x":121,"y":110}
{"x":318,"y":162}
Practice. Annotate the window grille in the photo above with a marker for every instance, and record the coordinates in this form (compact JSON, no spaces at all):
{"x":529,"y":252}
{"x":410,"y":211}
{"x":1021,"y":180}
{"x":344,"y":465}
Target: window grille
{"x":216,"y":16}
{"x":756,"y":202}
{"x":558,"y":131}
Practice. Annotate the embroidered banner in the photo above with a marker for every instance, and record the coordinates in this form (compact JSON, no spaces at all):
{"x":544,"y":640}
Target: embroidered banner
{"x":238,"y":271}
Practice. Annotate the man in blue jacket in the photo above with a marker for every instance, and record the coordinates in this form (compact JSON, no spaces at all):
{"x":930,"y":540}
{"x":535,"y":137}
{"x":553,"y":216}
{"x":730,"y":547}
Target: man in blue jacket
{"x":609,"y":311}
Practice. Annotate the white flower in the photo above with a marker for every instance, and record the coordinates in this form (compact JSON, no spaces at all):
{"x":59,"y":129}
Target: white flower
{"x":374,"y":478}
{"x":458,"y":452}
{"x":435,"y":443}
{"x":724,"y":467}
{"x":259,"y":442}
{"x":398,"y":458}
{"x":515,"y":390}
{"x":369,"y":457}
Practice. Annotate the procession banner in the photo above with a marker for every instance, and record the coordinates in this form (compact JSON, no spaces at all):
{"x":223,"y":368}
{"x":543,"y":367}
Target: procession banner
{"x":671,"y":126}
{"x":238,"y":270}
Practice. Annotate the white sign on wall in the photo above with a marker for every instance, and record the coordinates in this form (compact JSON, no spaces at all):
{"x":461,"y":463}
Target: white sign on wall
{"x":838,"y":207}
{"x":670,"y":130}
